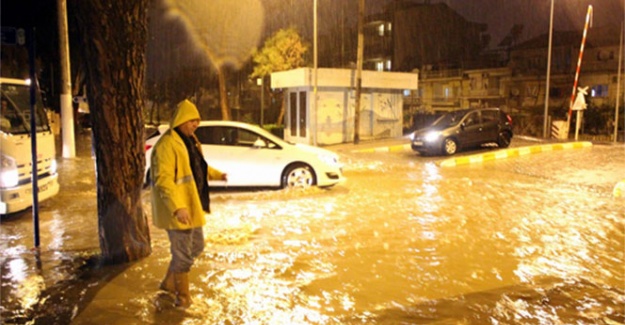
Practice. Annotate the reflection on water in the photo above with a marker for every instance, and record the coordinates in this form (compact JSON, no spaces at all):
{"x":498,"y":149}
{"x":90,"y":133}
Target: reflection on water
{"x":29,"y":285}
{"x":413,"y":243}
{"x":521,"y":241}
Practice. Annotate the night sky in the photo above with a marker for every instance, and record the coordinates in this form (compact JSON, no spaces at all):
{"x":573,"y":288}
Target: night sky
{"x":500,"y":15}
{"x":30,"y":13}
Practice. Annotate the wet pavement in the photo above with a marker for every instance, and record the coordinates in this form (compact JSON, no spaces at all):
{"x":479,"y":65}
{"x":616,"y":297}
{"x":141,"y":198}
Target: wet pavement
{"x":530,"y":240}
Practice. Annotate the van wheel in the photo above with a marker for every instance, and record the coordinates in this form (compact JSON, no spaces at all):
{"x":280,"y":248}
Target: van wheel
{"x":298,"y":175}
{"x":450,"y":147}
{"x":503,"y":140}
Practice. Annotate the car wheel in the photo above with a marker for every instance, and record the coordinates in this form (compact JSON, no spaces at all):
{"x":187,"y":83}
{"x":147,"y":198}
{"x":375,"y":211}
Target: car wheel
{"x":298,"y":175}
{"x":503,"y":140}
{"x":450,"y":146}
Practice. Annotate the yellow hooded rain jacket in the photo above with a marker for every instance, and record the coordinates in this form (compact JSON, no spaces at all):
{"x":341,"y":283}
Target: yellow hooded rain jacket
{"x":172,"y":177}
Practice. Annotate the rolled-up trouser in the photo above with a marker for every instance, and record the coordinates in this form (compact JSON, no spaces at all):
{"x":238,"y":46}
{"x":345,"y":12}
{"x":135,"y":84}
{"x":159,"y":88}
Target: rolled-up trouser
{"x":185,"y":246}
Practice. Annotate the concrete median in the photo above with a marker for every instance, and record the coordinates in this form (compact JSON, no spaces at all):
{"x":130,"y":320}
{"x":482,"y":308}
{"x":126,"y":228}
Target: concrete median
{"x":512,"y":152}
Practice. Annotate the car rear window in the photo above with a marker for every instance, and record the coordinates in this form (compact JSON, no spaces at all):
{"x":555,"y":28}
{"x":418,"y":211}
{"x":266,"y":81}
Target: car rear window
{"x":490,"y":116}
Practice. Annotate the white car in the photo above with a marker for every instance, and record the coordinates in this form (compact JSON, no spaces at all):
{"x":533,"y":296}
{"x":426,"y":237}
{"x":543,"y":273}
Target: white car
{"x":253,"y":157}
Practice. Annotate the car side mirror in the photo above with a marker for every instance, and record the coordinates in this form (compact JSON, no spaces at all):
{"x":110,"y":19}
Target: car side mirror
{"x":259,"y":143}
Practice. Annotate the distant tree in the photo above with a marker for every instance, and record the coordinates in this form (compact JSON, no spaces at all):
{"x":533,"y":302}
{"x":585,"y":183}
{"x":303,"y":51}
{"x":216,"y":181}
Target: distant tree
{"x":114,"y":38}
{"x":285,"y":50}
{"x":157,"y":93}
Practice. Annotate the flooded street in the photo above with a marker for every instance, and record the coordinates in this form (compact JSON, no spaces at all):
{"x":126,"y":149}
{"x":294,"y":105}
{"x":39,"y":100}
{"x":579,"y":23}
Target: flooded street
{"x":404,"y":240}
{"x":536,"y":239}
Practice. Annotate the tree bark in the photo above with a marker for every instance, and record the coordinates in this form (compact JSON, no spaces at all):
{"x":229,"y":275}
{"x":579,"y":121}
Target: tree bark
{"x":223,"y":94}
{"x":114,"y":44}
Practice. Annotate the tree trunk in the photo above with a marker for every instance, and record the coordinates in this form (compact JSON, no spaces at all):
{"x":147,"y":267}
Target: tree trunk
{"x":223,"y":94}
{"x":282,"y":111}
{"x":114,"y":44}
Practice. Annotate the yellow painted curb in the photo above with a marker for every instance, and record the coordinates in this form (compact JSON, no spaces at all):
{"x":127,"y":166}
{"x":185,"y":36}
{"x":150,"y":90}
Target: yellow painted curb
{"x":401,"y":147}
{"x":512,"y":152}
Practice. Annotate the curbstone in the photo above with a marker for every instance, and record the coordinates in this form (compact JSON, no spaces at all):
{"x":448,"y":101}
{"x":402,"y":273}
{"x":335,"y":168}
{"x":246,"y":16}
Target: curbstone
{"x":394,"y":148}
{"x":512,"y":152}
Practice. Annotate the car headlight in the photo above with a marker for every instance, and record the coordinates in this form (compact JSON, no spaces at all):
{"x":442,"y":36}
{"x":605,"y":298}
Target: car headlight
{"x":432,"y":136}
{"x":329,"y":159}
{"x":8,"y":172}
{"x":53,"y":166}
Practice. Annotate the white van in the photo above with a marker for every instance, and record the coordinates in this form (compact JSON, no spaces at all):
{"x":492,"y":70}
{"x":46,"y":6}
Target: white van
{"x":16,"y":149}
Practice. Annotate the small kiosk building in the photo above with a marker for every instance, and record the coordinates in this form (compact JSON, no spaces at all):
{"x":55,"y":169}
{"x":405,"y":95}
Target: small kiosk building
{"x":331,"y":119}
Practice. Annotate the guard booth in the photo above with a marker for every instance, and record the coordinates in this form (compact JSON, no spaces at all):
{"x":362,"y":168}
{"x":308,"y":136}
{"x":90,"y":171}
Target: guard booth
{"x":331,"y":119}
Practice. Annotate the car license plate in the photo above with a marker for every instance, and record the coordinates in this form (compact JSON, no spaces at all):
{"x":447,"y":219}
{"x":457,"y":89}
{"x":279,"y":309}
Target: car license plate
{"x":417,"y":143}
{"x":41,"y":188}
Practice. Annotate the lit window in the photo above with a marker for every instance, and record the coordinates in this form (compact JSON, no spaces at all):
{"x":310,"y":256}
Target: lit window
{"x":388,"y":65}
{"x":379,"y":66}
{"x":381,"y":30}
{"x":599,"y":91}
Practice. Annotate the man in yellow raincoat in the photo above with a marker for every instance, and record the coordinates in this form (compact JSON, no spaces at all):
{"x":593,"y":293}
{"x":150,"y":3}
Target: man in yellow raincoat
{"x":180,"y":196}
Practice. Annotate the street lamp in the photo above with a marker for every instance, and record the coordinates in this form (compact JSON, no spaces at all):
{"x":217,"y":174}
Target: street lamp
{"x":548,"y":72}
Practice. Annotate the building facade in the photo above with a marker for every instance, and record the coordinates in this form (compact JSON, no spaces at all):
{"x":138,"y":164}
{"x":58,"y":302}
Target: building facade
{"x":409,"y":36}
{"x":512,"y":78}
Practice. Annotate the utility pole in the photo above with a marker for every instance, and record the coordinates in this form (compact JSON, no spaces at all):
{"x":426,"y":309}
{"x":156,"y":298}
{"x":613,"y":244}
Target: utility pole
{"x":316,"y":74}
{"x":261,"y":82}
{"x":546,"y":115}
{"x":618,"y":85}
{"x":67,"y":111}
{"x":361,"y":45}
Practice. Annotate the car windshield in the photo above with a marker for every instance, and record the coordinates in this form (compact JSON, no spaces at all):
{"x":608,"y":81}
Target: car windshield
{"x":268,"y":135}
{"x":449,"y":119}
{"x":16,"y":110}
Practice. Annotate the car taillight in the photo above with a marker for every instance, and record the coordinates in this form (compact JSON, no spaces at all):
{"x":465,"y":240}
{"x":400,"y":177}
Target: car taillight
{"x":147,"y":147}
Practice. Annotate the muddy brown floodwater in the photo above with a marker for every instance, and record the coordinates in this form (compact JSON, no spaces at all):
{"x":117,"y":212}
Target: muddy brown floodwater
{"x":536,"y":239}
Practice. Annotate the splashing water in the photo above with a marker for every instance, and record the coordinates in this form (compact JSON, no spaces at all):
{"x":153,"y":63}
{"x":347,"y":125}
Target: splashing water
{"x":225,"y":31}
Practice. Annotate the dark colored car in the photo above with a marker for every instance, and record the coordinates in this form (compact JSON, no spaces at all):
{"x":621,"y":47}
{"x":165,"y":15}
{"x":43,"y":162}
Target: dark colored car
{"x":463,"y":129}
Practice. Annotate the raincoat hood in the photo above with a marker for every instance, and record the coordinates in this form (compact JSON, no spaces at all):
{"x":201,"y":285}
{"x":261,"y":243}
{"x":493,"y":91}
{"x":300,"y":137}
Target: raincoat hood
{"x":185,"y":111}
